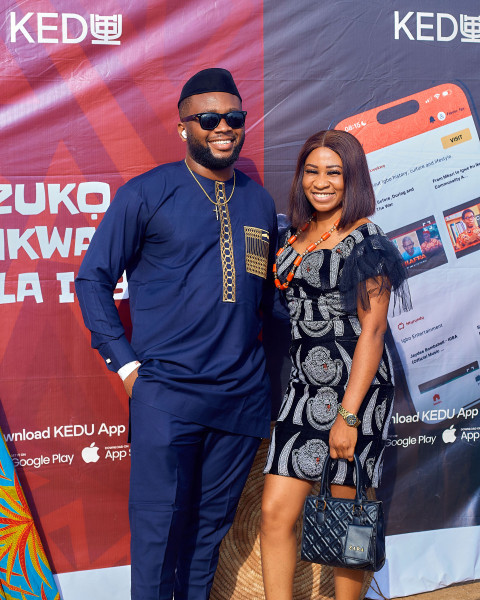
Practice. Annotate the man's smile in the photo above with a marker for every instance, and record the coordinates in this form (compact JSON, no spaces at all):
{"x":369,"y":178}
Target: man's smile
{"x":221,"y":143}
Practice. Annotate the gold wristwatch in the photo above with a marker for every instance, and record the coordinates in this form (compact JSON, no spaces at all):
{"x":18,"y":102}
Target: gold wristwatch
{"x":350,"y":419}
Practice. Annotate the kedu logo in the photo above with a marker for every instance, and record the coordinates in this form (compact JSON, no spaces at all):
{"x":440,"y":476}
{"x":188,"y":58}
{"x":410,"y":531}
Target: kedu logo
{"x":65,"y":28}
{"x":442,"y":27}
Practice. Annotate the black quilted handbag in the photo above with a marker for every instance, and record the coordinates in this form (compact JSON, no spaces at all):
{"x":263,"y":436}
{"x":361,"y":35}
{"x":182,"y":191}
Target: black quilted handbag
{"x":339,"y":532}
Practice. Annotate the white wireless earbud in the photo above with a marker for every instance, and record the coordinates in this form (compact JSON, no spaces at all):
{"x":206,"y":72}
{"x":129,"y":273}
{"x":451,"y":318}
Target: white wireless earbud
{"x":184,"y":134}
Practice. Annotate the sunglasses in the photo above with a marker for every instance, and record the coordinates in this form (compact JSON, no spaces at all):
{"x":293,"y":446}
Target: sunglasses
{"x":209,"y":120}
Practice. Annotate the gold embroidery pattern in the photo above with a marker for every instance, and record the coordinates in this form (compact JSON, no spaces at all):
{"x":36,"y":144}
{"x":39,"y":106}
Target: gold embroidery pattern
{"x":226,"y":244}
{"x":257,"y":243}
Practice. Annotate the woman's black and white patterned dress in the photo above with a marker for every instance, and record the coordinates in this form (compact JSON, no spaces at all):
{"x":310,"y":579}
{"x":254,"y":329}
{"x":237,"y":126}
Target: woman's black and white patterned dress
{"x":322,"y":300}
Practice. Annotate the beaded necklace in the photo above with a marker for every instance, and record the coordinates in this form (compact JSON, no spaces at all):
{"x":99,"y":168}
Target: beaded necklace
{"x":298,"y":260}
{"x":218,"y":203}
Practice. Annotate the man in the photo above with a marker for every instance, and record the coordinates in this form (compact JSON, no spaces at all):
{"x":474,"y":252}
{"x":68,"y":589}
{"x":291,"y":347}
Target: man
{"x":196,"y":239}
{"x":430,"y":246}
{"x":471,"y":235}
{"x":410,"y":250}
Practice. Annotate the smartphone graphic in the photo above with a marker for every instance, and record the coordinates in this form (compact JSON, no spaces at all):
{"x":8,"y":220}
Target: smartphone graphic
{"x":423,"y":152}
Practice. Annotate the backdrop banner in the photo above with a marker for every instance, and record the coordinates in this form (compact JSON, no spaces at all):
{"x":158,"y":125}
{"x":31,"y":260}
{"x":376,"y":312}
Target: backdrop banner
{"x":402,"y":81}
{"x":89,"y":99}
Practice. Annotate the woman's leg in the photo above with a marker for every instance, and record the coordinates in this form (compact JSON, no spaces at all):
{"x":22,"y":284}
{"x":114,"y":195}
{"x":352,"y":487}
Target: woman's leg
{"x":282,"y":503}
{"x":348,"y":582}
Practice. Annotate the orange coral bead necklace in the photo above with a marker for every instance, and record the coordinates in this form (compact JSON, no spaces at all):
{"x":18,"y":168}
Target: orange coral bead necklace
{"x":296,"y":263}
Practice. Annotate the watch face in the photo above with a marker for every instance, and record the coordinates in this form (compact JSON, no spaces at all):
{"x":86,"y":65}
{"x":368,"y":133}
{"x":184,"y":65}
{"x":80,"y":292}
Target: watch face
{"x":351,"y":420}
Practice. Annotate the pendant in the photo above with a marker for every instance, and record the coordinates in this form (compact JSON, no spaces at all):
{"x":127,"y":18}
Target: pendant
{"x":216,"y":211}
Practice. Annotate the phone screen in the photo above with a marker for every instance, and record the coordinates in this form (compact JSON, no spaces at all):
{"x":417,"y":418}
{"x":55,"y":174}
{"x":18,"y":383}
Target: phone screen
{"x":423,"y":153}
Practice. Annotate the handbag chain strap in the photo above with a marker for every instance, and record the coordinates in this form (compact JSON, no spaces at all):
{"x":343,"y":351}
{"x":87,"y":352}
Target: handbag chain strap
{"x":377,"y":591}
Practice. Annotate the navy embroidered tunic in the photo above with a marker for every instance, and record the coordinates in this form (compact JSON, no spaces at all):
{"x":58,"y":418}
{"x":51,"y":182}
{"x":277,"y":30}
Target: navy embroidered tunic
{"x":196,"y":285}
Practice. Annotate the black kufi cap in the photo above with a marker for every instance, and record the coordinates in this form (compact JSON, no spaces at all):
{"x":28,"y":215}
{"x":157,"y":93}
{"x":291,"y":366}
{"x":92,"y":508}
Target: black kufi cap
{"x":209,"y":80}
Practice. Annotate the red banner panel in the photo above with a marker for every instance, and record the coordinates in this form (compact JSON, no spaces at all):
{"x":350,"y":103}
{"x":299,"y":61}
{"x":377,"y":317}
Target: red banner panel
{"x":88,"y":101}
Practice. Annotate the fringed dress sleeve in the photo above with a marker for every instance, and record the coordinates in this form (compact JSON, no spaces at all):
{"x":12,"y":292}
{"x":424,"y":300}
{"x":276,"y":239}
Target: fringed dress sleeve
{"x":375,"y":257}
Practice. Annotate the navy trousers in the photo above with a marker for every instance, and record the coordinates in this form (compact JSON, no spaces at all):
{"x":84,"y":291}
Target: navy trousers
{"x":185,"y":484}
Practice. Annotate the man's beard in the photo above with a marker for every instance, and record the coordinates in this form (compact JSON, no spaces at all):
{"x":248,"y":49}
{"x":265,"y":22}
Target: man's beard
{"x":203,"y":155}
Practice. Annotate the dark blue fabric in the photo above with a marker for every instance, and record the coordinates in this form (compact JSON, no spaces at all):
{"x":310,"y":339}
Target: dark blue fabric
{"x":207,"y":359}
{"x":185,"y":485}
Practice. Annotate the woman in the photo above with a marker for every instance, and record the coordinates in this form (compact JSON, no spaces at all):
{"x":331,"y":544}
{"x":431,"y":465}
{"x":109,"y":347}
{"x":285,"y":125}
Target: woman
{"x":336,"y":269}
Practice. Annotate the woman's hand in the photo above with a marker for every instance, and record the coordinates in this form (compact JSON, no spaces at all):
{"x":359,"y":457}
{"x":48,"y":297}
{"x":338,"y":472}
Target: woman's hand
{"x":343,"y":439}
{"x":366,"y":358}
